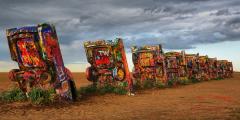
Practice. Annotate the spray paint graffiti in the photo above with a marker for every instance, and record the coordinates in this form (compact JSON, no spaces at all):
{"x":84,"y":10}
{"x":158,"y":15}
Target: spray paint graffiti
{"x":149,"y":64}
{"x":192,"y":66}
{"x":176,"y":66}
{"x":108,"y":63}
{"x":37,"y":52}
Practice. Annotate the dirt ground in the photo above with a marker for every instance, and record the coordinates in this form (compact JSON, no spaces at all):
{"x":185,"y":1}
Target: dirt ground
{"x":207,"y":100}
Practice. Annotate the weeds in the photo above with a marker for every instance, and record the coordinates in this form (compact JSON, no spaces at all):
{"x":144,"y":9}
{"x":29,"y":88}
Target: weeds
{"x":137,"y":85}
{"x":159,"y":85}
{"x":39,"y":96}
{"x":120,"y":91}
{"x":194,"y":80}
{"x":87,"y":90}
{"x":219,"y":78}
{"x":36,"y":96}
{"x":108,"y":88}
{"x":13,"y":95}
{"x":184,"y":82}
{"x":172,"y":82}
{"x":148,"y":84}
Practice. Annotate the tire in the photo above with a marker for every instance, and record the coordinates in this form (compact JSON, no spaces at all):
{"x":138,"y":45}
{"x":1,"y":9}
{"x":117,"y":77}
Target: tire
{"x":73,"y":90}
{"x":45,"y":80}
{"x":91,"y":74}
{"x":88,"y":74}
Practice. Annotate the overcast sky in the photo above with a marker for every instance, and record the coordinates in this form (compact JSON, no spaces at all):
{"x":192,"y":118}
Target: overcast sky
{"x":205,"y":26}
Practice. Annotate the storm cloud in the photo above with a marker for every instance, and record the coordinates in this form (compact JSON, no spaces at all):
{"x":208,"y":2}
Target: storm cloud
{"x":177,"y":24}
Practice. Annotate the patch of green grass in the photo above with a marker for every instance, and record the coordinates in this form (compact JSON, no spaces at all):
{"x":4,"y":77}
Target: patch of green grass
{"x":171,"y":82}
{"x":107,"y":88}
{"x":159,"y":85}
{"x":123,"y":84}
{"x":184,"y":82}
{"x":39,"y":96}
{"x":13,"y":95}
{"x":120,"y":91}
{"x":87,"y":90}
{"x":194,"y":80}
{"x":219,"y":78}
{"x":148,"y":84}
{"x":137,"y":85}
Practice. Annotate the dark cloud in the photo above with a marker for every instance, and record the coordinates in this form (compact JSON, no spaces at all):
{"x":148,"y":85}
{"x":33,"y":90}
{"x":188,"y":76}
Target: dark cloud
{"x":177,"y":24}
{"x":233,"y":23}
{"x":223,"y":12}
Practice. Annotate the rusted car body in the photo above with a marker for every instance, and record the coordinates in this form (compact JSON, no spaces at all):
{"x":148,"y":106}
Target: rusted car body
{"x":108,"y":63}
{"x":212,"y":68}
{"x":203,"y":68}
{"x":192,"y":66}
{"x":37,"y":52}
{"x":149,"y":64}
{"x":176,"y":66}
{"x":224,"y":69}
{"x":229,"y":69}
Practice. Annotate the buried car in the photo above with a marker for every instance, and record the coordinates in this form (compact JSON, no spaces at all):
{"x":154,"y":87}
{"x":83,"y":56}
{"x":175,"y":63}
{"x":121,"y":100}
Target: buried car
{"x":108,"y":63}
{"x":37,"y":52}
{"x":149,"y":64}
{"x":224,"y":68}
{"x":212,"y":68}
{"x":192,"y":66}
{"x":203,"y":67}
{"x":229,"y":69}
{"x":176,"y":66}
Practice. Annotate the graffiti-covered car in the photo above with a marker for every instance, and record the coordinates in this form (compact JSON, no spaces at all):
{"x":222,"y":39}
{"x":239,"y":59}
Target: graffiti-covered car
{"x":192,"y":66}
{"x":222,"y":68}
{"x":108,"y":63}
{"x":176,"y":66}
{"x":37,"y":52}
{"x":212,"y":68}
{"x":229,"y":69}
{"x":149,"y":64}
{"x":203,"y":67}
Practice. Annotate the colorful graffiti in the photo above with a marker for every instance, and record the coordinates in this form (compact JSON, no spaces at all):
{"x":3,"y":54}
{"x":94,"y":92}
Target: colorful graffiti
{"x":203,"y":67}
{"x":149,"y":64}
{"x":176,"y":66}
{"x":212,"y":68}
{"x":192,"y":66}
{"x":108,"y":63}
{"x":229,"y":69}
{"x":37,"y":52}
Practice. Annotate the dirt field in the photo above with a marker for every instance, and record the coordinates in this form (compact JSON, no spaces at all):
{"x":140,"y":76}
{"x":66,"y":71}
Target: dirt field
{"x":207,"y":100}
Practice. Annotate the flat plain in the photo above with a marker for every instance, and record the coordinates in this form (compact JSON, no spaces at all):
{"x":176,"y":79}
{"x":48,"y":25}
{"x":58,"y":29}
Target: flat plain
{"x":215,"y":99}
